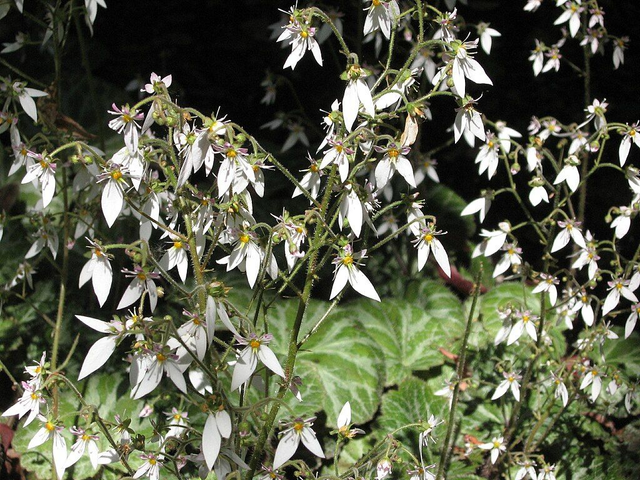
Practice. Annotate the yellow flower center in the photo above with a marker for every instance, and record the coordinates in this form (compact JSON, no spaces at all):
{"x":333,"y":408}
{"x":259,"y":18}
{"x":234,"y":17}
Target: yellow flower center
{"x":161,"y":357}
{"x":339,"y":148}
{"x":348,"y":260}
{"x":511,"y":251}
{"x":619,"y":286}
{"x":177,"y":245}
{"x":298,"y":426}
{"x":428,"y":237}
{"x":49,"y":426}
{"x":496,"y":444}
{"x":152,"y":461}
{"x":141,"y":276}
{"x":299,"y":230}
{"x":594,"y":373}
{"x":304,"y":34}
{"x":232,"y":153}
{"x":117,"y":175}
{"x":511,"y":379}
{"x":43,"y":164}
{"x":34,"y":396}
{"x":177,"y":417}
{"x":393,"y":153}
{"x":490,"y":144}
{"x":254,"y":344}
{"x":196,"y":321}
{"x":244,"y":238}
{"x":85,"y":437}
{"x":38,"y":369}
{"x":525,"y":318}
{"x":126,"y":117}
{"x":584,"y":299}
{"x":314,"y":168}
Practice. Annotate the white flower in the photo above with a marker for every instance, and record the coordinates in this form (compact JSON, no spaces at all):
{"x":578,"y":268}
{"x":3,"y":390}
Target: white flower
{"x":311,"y":179}
{"x":510,"y":257}
{"x":548,"y":284}
{"x":547,"y":473}
{"x":588,"y":256}
{"x":112,"y":200}
{"x":593,"y":378}
{"x":526,"y":467}
{"x":420,"y":472}
{"x":26,"y":96}
{"x":427,"y":168}
{"x":617,"y":287}
{"x":29,"y":402}
{"x":496,"y":446}
{"x":255,"y":349}
{"x":347,"y":271}
{"x":569,"y":173}
{"x":383,"y":469}
{"x":427,"y":434}
{"x":246,"y":255}
{"x":301,"y":38}
{"x":218,"y":426}
{"x":356,"y":93}
{"x":532,"y":6}
{"x":428,"y":242}
{"x":394,"y":159}
{"x":84,"y":442}
{"x":570,"y":230}
{"x":596,"y":111}
{"x":102,"y":349}
{"x":494,"y":240}
{"x":622,"y":222}
{"x":561,"y":390}
{"x":571,"y":15}
{"x":510,"y":382}
{"x":468,"y":119}
{"x":151,"y":467}
{"x":149,"y":368}
{"x":632,"y":135}
{"x":126,"y":123}
{"x":618,"y":51}
{"x":235,"y":170}
{"x":479,"y":205}
{"x":45,"y":237}
{"x":44,"y":169}
{"x":447,"y":391}
{"x":488,"y":156}
{"x":505,"y":134}
{"x":344,"y":423}
{"x":98,"y":269}
{"x":538,"y":193}
{"x":381,"y":15}
{"x":537,"y":57}
{"x":338,"y":154}
{"x":142,"y":281}
{"x":50,"y":430}
{"x":486,"y":33}
{"x":554,"y":57}
{"x":586,"y":310}
{"x":92,"y":8}
{"x":299,"y":430}
{"x":464,"y":66}
{"x":176,"y":256}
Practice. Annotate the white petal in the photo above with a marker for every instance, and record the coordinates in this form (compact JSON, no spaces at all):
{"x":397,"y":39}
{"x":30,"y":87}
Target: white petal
{"x":97,"y":325}
{"x":441,"y":256}
{"x":244,"y":368}
{"x":404,"y":168}
{"x":176,"y":376}
{"x":29,"y":105}
{"x":364,"y":96}
{"x":286,"y":448}
{"x":211,"y":441}
{"x":611,"y":301}
{"x":101,"y":280}
{"x":112,"y":202}
{"x":561,"y":241}
{"x":39,"y":438}
{"x":501,"y":390}
{"x":59,"y":454}
{"x":344,"y":418}
{"x":266,"y":356}
{"x":149,"y":381}
{"x":310,"y":441}
{"x":86,"y":273}
{"x":131,"y":294}
{"x":223,"y":420}
{"x":361,"y":284}
{"x":97,"y":356}
{"x":350,"y":104}
{"x":340,"y":280}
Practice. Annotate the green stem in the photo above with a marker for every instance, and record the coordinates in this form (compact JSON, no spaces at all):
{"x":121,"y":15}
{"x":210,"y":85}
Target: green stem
{"x":446,"y":449}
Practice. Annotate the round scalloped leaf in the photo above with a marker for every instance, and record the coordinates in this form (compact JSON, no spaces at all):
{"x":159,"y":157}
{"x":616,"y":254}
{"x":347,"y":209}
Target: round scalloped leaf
{"x":411,"y":332}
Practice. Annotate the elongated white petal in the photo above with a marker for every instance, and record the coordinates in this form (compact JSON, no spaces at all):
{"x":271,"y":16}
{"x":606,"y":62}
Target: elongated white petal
{"x":97,"y":356}
{"x":211,"y":441}
{"x":86,"y":273}
{"x":39,"y":438}
{"x":310,"y":441}
{"x":112,"y":202}
{"x":59,"y":454}
{"x":344,"y":418}
{"x":611,"y":301}
{"x":131,"y":294}
{"x":361,"y":284}
{"x":350,"y":105}
{"x":364,"y":96}
{"x":97,"y":325}
{"x":149,"y":381}
{"x":101,"y":280}
{"x":266,"y":356}
{"x":29,"y":106}
{"x":561,"y":241}
{"x":286,"y":448}
{"x":76,"y":453}
{"x":223,"y":420}
{"x":501,"y":390}
{"x":441,"y":256}
{"x":340,"y":281}
{"x":176,"y":376}
{"x":406,"y":170}
{"x":244,"y":368}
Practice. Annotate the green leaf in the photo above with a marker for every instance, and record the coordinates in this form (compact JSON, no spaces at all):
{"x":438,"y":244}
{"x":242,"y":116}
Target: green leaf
{"x":338,"y":363}
{"x":413,"y":402}
{"x":623,"y":353}
{"x":410,"y":332}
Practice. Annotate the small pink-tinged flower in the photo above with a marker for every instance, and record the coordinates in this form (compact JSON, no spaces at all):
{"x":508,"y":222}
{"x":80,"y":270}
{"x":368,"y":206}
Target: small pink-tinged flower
{"x":125,"y":122}
{"x":347,"y":271}
{"x":510,"y":382}
{"x":51,"y":431}
{"x":255,"y":349}
{"x":98,"y":269}
{"x":85,"y":441}
{"x":497,"y":446}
